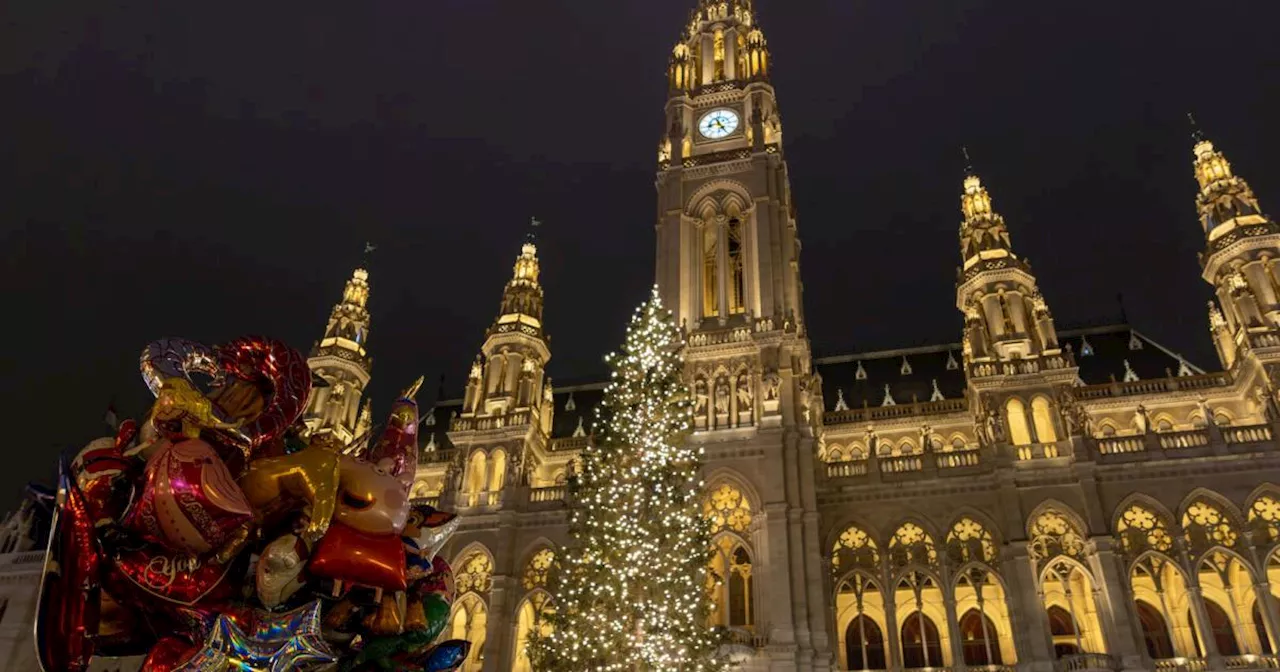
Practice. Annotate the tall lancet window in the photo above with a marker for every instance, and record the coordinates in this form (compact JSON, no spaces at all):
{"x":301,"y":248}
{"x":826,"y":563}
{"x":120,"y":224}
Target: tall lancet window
{"x":710,"y":271}
{"x":719,"y":56}
{"x":737,"y":295}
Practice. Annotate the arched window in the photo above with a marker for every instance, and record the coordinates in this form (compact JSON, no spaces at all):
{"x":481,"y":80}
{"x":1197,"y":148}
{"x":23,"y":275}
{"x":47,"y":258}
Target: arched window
{"x":730,"y":574}
{"x":1264,"y":520}
{"x":1016,"y":416}
{"x":1259,"y":627}
{"x":920,"y":644}
{"x":864,"y":645}
{"x":1063,"y":630}
{"x":978,"y":639}
{"x":469,"y":622}
{"x":855,"y":548}
{"x":710,"y":270}
{"x":1220,"y":626}
{"x":476,"y":476}
{"x":737,"y":288}
{"x":497,"y":470}
{"x":1155,"y":632}
{"x":1042,"y":414}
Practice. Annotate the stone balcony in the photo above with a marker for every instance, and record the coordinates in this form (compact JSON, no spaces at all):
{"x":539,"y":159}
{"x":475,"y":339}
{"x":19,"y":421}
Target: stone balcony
{"x":1153,"y":446}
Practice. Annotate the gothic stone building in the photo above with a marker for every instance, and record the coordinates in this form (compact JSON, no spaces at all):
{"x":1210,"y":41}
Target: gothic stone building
{"x":1025,"y":498}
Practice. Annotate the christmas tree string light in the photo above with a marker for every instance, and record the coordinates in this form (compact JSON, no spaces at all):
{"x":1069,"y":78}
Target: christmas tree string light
{"x":631,"y":590}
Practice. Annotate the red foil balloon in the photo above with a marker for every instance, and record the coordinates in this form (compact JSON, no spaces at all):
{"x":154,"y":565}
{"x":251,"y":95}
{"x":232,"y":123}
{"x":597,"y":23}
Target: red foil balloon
{"x":170,"y":576}
{"x":67,"y":610}
{"x":277,"y":368}
{"x":347,"y":554}
{"x":190,"y":502}
{"x":168,"y":654}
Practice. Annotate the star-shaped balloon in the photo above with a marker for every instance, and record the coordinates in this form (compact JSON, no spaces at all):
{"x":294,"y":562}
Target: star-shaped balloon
{"x":273,"y":643}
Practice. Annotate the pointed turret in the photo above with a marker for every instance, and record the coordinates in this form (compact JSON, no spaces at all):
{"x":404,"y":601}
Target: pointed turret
{"x":508,"y":373}
{"x":1241,"y":248}
{"x":1006,"y":317}
{"x":341,"y":360}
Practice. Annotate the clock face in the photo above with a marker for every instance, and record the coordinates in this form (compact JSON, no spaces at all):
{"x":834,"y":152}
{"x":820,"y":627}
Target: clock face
{"x":718,"y":124}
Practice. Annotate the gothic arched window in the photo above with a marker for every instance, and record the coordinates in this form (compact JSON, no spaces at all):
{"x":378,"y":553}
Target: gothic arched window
{"x":538,"y":571}
{"x":727,"y":508}
{"x":1204,"y":525}
{"x":920,"y":644}
{"x":732,"y":583}
{"x":737,"y":286}
{"x":864,"y":645}
{"x":1155,"y":632}
{"x":855,"y":549}
{"x":910,"y":544}
{"x":1042,"y":415}
{"x":978,"y":639}
{"x":1142,"y":529}
{"x":474,"y":573}
{"x":1016,"y":416}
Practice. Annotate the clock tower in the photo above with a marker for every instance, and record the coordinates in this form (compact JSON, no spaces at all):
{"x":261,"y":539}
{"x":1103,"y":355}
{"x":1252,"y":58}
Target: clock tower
{"x":728,"y":266}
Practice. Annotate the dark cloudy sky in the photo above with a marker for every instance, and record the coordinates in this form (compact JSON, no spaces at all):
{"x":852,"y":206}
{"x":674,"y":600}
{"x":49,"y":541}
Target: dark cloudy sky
{"x":209,"y":169}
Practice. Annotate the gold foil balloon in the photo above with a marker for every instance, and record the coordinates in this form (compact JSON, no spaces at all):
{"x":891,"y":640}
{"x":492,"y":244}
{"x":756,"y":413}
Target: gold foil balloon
{"x":310,"y":474}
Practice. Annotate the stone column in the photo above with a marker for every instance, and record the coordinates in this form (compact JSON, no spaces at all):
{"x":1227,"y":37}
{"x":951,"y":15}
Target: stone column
{"x":953,"y":629}
{"x":498,"y":630}
{"x":1208,"y":645}
{"x":893,"y":653}
{"x":1115,"y":605}
{"x":1026,"y":610}
{"x":1270,"y":613}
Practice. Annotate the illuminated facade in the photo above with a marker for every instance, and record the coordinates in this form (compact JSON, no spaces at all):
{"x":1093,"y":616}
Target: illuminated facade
{"x":1022,"y":498}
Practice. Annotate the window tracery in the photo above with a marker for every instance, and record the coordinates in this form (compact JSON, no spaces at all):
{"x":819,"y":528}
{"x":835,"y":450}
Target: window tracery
{"x":475,"y":574}
{"x":727,"y":508}
{"x":1142,"y":529}
{"x":1053,"y":534}
{"x":969,"y":541}
{"x":538,"y":571}
{"x":1204,"y":526}
{"x":855,"y":549}
{"x":911,"y":544}
{"x":1264,"y":519}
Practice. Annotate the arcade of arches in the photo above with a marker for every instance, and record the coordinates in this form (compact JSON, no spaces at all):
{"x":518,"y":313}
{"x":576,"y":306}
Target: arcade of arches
{"x":1199,"y":584}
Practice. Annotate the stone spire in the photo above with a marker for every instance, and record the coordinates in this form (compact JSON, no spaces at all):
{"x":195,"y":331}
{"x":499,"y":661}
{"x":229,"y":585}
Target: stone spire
{"x":1006,"y":317}
{"x":341,"y":360}
{"x":1225,"y":201}
{"x":508,"y":374}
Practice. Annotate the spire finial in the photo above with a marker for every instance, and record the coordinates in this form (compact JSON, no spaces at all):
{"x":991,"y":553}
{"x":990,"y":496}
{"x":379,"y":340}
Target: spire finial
{"x":1196,"y":133}
{"x":968,"y":162}
{"x":369,"y":249}
{"x":532,"y":236}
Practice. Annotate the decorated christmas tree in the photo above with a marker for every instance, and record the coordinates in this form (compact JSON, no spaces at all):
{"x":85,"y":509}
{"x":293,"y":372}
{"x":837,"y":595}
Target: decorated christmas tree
{"x":631,"y":591}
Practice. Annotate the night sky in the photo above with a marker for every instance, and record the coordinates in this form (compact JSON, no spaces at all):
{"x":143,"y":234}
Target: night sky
{"x":211,"y":169}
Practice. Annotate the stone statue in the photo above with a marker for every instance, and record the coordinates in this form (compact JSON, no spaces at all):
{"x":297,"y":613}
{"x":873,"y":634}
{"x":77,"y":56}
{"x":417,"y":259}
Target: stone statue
{"x":722,"y":396}
{"x":1141,"y":420}
{"x":772,"y":386}
{"x":804,"y":386}
{"x":744,"y":393}
{"x":475,"y":369}
{"x":700,"y":398}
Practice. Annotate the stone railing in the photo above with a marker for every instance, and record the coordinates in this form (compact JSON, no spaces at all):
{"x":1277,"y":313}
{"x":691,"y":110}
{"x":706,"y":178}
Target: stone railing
{"x":437,"y":456}
{"x":990,"y":668}
{"x":846,"y":469}
{"x":1251,"y":661}
{"x":1038,"y":451}
{"x":1086,"y":662}
{"x":901,"y":464}
{"x":491,"y":421}
{"x":705,"y":338}
{"x":873,"y":413}
{"x":716,"y":157}
{"x":957,"y":458}
{"x":1121,"y":445}
{"x":572,"y":443}
{"x":1153,"y":386}
{"x":1020,"y":367}
{"x":1264,"y":340}
{"x":1182,"y":665}
{"x":747,"y":638}
{"x":1248,"y":434}
{"x":1194,"y":438}
{"x":555,"y":493}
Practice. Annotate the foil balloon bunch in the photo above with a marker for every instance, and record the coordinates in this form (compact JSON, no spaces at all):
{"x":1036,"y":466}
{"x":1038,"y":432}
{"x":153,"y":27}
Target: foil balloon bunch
{"x":219,"y":534}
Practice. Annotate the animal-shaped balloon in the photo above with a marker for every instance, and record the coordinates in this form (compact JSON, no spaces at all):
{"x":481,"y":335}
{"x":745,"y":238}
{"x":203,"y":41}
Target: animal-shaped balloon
{"x":363,"y":543}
